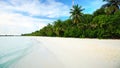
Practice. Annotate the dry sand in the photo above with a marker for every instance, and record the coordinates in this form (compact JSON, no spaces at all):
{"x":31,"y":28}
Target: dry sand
{"x":71,"y":53}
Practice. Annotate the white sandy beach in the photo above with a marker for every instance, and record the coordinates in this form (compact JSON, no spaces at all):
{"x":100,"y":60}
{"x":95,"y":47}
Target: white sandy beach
{"x":71,"y":53}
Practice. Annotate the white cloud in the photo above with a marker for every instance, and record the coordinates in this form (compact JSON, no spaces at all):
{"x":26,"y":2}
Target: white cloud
{"x":49,"y":8}
{"x":18,"y":23}
{"x":11,"y":23}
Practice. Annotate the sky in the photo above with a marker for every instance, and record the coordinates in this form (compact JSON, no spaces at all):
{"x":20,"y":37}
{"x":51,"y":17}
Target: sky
{"x":26,"y":16}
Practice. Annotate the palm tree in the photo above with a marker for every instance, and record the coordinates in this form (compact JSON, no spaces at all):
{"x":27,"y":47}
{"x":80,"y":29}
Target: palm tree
{"x":76,"y":14}
{"x":58,"y":27}
{"x":111,"y":6}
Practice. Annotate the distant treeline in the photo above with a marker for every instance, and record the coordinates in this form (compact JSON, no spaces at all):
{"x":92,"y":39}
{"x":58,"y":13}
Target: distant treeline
{"x":100,"y":24}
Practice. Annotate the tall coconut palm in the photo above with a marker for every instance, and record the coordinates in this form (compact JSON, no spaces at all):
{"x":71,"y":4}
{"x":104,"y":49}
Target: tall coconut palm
{"x":76,"y":14}
{"x":111,"y":6}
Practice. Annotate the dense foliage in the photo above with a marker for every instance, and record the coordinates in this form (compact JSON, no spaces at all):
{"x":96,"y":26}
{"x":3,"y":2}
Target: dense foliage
{"x":111,"y":6}
{"x":96,"y":25}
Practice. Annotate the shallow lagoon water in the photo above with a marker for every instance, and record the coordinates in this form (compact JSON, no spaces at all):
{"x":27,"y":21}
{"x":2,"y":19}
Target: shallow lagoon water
{"x":13,"y":49}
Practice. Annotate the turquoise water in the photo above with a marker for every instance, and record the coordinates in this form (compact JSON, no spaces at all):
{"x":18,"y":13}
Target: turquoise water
{"x":12,"y":49}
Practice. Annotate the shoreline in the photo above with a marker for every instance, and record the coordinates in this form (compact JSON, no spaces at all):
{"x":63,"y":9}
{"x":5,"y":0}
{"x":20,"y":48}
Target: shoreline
{"x":59,"y":37}
{"x":70,"y":37}
{"x":49,"y":52}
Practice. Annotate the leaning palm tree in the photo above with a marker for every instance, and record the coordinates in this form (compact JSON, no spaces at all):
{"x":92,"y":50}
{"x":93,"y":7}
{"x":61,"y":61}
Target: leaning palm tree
{"x":111,"y":6}
{"x":76,"y":14}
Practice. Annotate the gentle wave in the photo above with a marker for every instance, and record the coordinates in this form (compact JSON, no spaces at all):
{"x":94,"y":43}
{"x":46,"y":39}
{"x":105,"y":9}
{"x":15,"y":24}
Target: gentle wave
{"x":13,"y":49}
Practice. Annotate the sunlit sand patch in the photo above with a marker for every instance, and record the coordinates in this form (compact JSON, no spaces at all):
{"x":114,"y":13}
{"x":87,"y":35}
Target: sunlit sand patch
{"x":47,"y":52}
{"x":109,"y":54}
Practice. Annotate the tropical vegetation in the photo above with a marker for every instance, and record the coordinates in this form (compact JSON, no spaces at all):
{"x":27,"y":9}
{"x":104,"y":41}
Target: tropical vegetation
{"x":111,"y":6}
{"x":76,"y":14}
{"x":103,"y":23}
